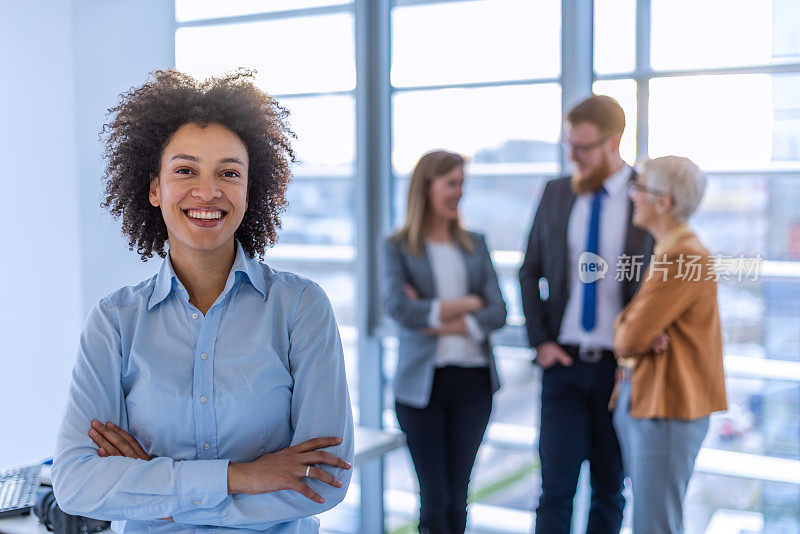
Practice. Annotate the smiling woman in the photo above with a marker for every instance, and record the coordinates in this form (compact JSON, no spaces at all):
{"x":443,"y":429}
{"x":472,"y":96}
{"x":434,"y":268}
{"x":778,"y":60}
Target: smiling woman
{"x":205,"y":191}
{"x":170,"y":111}
{"x":440,"y":287}
{"x":207,"y":395}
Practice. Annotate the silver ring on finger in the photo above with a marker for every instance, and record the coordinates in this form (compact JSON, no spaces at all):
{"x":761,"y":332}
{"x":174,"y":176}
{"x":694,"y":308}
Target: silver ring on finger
{"x":308,"y":471}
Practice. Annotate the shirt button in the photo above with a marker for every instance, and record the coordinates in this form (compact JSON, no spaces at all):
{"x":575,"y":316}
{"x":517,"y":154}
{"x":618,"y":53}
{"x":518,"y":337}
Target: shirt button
{"x":197,"y":503}
{"x":204,"y":356}
{"x":203,"y":399}
{"x":206,"y":446}
{"x":195,"y":316}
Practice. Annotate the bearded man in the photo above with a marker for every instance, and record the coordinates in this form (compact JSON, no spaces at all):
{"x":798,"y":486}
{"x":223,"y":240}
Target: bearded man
{"x":580,"y":270}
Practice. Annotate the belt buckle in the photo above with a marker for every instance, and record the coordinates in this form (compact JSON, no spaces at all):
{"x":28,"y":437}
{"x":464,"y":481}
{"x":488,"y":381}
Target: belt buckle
{"x":590,"y":355}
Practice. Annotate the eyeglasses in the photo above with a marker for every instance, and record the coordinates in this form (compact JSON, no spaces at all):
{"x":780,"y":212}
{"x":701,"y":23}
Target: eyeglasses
{"x":585,"y":148}
{"x":634,"y":187}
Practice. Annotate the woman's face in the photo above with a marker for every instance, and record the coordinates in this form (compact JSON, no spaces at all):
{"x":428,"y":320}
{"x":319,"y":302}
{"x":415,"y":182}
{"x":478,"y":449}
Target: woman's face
{"x":444,"y":194}
{"x":202,"y":187}
{"x":648,"y":204}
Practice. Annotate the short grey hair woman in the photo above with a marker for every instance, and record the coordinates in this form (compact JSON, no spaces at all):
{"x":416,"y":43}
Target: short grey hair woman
{"x":669,"y":344}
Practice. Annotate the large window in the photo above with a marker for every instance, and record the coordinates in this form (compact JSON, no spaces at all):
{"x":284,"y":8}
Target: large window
{"x":717,"y":81}
{"x":726,"y":95}
{"x":480,"y":78}
{"x":304,"y":55}
{"x":305,"y":58}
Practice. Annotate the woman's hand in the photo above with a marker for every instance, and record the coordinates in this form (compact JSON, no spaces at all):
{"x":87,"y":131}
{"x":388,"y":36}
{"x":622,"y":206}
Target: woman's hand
{"x":450,"y":311}
{"x":457,"y":308}
{"x":410,"y":291}
{"x":113,"y":441}
{"x":285,"y":470}
{"x":612,"y":401}
{"x":659,"y":343}
{"x":456,"y":327}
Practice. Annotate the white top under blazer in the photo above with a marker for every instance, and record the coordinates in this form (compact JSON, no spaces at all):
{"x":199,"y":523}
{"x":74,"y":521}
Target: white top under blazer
{"x":450,"y":279}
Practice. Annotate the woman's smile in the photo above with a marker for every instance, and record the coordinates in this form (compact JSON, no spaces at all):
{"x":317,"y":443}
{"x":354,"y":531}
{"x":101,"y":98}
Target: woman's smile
{"x":202,"y":188}
{"x":205,"y":218}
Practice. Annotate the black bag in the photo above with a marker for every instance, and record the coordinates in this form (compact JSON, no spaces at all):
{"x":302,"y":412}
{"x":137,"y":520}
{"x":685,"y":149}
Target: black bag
{"x":55,"y":520}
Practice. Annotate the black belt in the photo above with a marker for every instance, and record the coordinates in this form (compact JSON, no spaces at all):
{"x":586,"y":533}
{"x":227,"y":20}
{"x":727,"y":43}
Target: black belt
{"x":588,"y":355}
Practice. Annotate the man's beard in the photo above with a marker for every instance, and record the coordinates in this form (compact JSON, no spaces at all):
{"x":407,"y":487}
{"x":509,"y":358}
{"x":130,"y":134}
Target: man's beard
{"x":590,"y":183}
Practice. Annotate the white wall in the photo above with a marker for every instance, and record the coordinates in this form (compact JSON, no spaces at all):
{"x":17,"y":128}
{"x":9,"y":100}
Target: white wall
{"x":39,"y":238}
{"x":116,"y":44}
{"x":62,"y":65}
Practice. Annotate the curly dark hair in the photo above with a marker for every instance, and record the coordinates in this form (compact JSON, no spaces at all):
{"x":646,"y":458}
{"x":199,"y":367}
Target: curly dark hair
{"x":142,"y":125}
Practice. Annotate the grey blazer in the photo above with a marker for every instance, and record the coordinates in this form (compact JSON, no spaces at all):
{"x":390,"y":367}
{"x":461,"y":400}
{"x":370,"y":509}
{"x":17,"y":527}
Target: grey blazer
{"x":413,"y":379}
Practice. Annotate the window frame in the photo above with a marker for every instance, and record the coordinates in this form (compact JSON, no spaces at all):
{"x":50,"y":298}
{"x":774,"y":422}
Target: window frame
{"x":374,"y":181}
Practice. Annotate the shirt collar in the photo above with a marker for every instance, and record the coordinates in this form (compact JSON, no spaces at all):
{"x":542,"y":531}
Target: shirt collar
{"x":617,"y":184}
{"x":672,"y":238}
{"x":251,"y":269}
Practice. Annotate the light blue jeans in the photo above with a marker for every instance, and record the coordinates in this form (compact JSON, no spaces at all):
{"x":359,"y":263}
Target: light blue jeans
{"x":658,"y":455}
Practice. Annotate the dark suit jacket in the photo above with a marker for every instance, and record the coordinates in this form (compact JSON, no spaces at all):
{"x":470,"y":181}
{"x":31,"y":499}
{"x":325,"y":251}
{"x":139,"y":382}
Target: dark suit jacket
{"x":546,"y":258}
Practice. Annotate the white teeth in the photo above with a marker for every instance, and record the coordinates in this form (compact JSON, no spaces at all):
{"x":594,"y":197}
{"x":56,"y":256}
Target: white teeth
{"x":206,"y":215}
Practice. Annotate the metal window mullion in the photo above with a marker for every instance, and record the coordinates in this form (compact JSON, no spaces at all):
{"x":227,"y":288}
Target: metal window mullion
{"x":404,"y":3}
{"x":372,"y":27}
{"x":476,"y":85}
{"x":643,"y":71}
{"x":314,"y":94}
{"x":577,"y":75}
{"x":271,"y":15}
{"x":577,"y":52}
{"x":649,"y":73}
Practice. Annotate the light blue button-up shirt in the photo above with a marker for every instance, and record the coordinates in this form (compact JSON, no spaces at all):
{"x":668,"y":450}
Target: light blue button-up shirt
{"x":261,"y":371}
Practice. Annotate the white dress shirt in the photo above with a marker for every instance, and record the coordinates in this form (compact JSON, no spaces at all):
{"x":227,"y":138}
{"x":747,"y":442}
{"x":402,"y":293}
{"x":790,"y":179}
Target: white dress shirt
{"x":450,"y":280}
{"x":611,"y":244}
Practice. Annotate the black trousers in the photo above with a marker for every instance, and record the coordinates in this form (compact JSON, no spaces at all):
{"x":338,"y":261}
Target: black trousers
{"x":443,"y":439}
{"x":576,"y":426}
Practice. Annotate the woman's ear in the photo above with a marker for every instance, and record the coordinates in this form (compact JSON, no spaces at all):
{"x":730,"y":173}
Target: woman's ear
{"x":155,"y":191}
{"x":663,"y":204}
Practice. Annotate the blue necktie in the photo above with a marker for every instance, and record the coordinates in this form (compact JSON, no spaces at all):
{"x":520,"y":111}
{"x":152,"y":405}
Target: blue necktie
{"x":589,"y":314}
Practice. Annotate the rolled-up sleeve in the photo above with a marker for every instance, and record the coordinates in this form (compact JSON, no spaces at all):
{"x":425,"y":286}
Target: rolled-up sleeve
{"x":320,"y":407}
{"x":118,"y":488}
{"x":434,"y":317}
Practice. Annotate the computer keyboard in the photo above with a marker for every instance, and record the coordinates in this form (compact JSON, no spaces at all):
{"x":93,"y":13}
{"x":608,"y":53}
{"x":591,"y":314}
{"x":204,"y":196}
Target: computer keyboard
{"x":18,"y":489}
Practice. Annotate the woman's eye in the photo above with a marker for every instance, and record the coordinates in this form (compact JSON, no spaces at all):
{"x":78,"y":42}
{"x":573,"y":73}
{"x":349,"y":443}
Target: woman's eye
{"x":230,"y":174}
{"x":183,"y":171}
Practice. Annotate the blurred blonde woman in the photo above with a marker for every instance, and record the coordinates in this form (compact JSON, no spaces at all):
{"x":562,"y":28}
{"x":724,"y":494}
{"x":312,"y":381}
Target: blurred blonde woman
{"x":439,"y":285}
{"x":669,"y":343}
